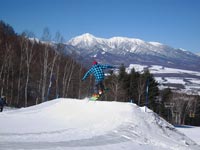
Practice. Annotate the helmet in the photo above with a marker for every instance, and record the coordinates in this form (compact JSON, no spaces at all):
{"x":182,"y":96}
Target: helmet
{"x":94,"y":62}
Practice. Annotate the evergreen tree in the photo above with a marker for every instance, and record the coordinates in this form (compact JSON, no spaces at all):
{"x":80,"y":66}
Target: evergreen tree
{"x":165,"y":97}
{"x":153,"y":90}
{"x":124,"y":81}
{"x":6,"y":29}
{"x":133,"y":84}
{"x":122,"y":73}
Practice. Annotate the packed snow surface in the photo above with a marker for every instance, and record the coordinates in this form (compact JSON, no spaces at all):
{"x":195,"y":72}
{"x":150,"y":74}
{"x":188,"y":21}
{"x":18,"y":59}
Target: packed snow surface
{"x":191,"y":131}
{"x":71,"y":124}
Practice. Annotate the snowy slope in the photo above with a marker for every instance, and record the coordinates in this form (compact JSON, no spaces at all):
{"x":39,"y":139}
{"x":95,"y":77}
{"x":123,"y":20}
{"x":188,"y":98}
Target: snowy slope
{"x":191,"y":131}
{"x":70,"y":124}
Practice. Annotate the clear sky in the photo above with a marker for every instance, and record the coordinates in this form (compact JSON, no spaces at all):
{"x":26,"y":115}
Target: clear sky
{"x":172,"y":22}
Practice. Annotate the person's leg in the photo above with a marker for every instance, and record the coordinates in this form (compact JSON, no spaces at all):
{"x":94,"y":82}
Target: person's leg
{"x":101,"y":87}
{"x":96,"y":87}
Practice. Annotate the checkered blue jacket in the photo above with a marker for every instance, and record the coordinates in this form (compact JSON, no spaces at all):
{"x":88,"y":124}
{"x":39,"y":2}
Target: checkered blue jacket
{"x":97,"y":71}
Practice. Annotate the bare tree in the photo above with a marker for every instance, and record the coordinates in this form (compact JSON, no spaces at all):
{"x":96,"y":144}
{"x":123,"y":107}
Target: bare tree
{"x":4,"y":66}
{"x":72,"y":67}
{"x":46,"y":38}
{"x":45,"y":72}
{"x":80,"y":83}
{"x":183,"y":105}
{"x":51,"y":67}
{"x":28,"y":49}
{"x":7,"y":73}
{"x":22,"y":59}
{"x":59,"y":50}
{"x":57,"y":76}
{"x":67,"y":76}
{"x":116,"y":89}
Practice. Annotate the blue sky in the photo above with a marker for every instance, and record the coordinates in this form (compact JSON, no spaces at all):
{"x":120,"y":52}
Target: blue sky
{"x":172,"y":22}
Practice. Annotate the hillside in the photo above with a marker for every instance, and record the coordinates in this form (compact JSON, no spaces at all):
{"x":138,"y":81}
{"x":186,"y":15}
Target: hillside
{"x":72,"y":124}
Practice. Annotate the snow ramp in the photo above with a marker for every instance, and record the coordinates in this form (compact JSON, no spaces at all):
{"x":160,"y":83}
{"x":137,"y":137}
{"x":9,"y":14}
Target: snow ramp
{"x":71,"y":124}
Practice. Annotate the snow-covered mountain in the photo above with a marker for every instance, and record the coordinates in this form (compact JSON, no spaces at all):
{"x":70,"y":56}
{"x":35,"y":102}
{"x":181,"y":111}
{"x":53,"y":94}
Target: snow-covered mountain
{"x":118,"y":50}
{"x":71,"y":124}
{"x":119,"y":45}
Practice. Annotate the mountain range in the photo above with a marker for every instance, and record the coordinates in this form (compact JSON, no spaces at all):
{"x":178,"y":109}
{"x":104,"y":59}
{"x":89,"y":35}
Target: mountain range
{"x":123,"y":50}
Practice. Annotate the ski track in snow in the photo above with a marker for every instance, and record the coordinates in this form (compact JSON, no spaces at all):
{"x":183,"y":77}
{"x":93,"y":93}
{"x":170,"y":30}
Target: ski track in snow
{"x":114,"y":137}
{"x":130,"y":128}
{"x":121,"y":135}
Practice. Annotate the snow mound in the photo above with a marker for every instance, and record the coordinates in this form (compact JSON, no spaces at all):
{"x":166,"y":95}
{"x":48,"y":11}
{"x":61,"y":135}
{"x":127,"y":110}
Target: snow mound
{"x":82,"y":124}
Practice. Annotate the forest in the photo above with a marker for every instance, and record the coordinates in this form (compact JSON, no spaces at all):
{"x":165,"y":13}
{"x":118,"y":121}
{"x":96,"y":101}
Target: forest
{"x":34,"y":71}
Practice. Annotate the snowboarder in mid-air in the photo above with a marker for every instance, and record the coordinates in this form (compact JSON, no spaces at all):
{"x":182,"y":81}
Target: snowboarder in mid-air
{"x":97,"y":71}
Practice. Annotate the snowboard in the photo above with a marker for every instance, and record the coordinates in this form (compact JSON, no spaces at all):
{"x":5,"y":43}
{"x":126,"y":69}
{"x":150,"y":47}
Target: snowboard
{"x":93,"y":98}
{"x":100,"y":96}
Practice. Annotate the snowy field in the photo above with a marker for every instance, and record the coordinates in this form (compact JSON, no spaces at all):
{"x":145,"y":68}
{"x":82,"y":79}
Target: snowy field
{"x":192,"y":132}
{"x":160,"y":69}
{"x":184,"y":80}
{"x":70,"y":124}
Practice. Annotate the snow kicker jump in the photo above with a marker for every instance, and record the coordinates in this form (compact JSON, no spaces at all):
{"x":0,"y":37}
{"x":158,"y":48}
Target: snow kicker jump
{"x":70,"y":124}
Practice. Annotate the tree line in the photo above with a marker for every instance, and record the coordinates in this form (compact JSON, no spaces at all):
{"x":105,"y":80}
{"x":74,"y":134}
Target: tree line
{"x":32,"y":72}
{"x":139,"y":88}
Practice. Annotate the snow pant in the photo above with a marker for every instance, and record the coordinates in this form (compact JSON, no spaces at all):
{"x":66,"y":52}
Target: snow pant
{"x":1,"y":108}
{"x":98,"y":86}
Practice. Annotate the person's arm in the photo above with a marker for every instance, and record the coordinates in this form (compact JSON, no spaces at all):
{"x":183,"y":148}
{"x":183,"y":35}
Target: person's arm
{"x":87,"y":74}
{"x":107,"y":66}
{"x":5,"y":103}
